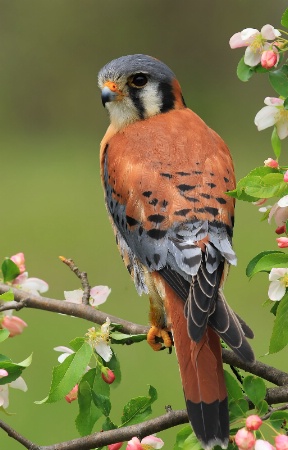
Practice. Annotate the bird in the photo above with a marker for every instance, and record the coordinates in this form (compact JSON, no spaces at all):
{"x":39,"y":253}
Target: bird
{"x":165,"y":175}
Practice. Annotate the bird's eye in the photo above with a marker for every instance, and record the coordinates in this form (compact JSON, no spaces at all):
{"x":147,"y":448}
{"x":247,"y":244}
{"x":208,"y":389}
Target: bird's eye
{"x":138,"y":80}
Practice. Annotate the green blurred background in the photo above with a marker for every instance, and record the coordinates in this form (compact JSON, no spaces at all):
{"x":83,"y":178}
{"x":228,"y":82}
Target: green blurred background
{"x":52,"y":122}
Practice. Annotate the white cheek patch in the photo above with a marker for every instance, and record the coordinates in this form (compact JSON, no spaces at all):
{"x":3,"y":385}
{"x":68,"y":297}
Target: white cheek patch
{"x":151,"y":99}
{"x":122,"y":112}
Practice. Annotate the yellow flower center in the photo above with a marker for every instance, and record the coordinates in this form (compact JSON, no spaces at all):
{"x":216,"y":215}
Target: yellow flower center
{"x":284,"y":280}
{"x":257,"y":43}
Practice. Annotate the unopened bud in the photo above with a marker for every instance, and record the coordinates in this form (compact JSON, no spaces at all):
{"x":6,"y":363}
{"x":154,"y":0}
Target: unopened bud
{"x":253,"y":422}
{"x":244,"y":439}
{"x":269,"y":59}
{"x":107,"y":375}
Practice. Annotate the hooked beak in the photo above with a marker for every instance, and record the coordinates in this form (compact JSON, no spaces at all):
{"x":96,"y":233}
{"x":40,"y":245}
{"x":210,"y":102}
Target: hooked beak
{"x":110,"y":92}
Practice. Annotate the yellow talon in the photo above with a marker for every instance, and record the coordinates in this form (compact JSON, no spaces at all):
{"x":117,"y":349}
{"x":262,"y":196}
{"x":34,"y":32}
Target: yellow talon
{"x":155,"y":334}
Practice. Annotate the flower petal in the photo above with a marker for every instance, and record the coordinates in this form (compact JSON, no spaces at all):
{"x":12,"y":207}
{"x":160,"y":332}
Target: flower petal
{"x":153,"y":441}
{"x":19,"y":384}
{"x":99,"y":295}
{"x":273,"y":101}
{"x":276,"y":290}
{"x":277,"y":273}
{"x":74,"y":296}
{"x":266,"y":117}
{"x":252,"y":58}
{"x":269,"y":32}
{"x":104,"y":350}
{"x":282,"y":128}
{"x":248,"y":34}
{"x":236,"y":41}
{"x":283,"y":202}
{"x":34,"y":285}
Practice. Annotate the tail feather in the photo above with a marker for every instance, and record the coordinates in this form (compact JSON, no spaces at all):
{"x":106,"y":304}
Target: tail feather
{"x":205,"y":395}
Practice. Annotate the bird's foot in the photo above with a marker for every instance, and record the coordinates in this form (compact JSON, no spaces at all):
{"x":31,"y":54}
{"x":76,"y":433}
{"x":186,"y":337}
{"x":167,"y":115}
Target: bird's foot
{"x":160,"y":338}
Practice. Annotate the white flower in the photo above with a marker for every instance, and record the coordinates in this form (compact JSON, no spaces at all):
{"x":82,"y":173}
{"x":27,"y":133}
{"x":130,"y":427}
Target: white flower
{"x":273,"y":114}
{"x":255,"y":41}
{"x":66,"y":352}
{"x":33,"y":285}
{"x":100,"y":340}
{"x":4,"y":390}
{"x":279,"y":282}
{"x":280,"y":211}
{"x":98,"y":295}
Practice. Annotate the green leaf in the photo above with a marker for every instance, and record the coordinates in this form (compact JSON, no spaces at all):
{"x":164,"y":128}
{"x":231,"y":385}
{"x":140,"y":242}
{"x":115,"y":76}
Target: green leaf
{"x":274,"y":308}
{"x":77,"y":343}
{"x":138,"y":408}
{"x":121,"y":338}
{"x":88,"y":412}
{"x":284,"y":19}
{"x":233,"y":388}
{"x":114,"y":365}
{"x":102,"y":402}
{"x":244,"y":72}
{"x":255,"y":388}
{"x":266,"y":262}
{"x":252,"y":266}
{"x":108,"y":425}
{"x":279,"y":338}
{"x":181,"y":436}
{"x":262,"y":408}
{"x":14,"y":369}
{"x":4,"y":334}
{"x":267,"y":186}
{"x":276,"y":143}
{"x":238,"y":408}
{"x":279,"y":80}
{"x":7,"y":296}
{"x":68,"y":374}
{"x":10,"y":270}
{"x":192,"y":443}
{"x":277,"y":418}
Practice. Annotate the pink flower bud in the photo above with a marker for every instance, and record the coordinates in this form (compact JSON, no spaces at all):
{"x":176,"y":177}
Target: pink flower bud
{"x":253,"y":422}
{"x":280,"y":230}
{"x":14,"y":325}
{"x":271,"y":163}
{"x":263,"y":445}
{"x":115,"y":446}
{"x":3,"y":373}
{"x":19,"y":260}
{"x":244,"y":439}
{"x":107,"y":375}
{"x":73,"y":394}
{"x":269,"y":59}
{"x":281,"y":442}
{"x":282,"y":242}
{"x":285,"y":178}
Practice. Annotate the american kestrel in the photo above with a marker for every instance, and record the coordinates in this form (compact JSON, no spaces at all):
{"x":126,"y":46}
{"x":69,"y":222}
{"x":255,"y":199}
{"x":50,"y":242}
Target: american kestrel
{"x":165,"y":174}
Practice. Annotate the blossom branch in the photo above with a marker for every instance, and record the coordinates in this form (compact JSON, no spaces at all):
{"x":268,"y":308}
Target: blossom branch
{"x":168,"y":420}
{"x":24,"y":299}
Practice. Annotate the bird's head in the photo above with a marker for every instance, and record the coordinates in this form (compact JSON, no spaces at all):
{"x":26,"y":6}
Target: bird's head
{"x":136,"y":87}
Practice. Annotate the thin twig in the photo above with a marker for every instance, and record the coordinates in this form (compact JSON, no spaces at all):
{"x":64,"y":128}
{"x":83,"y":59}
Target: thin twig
{"x":82,"y":277}
{"x":268,"y":414}
{"x":18,"y":437}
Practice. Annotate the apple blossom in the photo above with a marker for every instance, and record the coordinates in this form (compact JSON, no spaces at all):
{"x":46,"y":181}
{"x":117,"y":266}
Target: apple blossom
{"x":255,"y":41}
{"x":281,"y":442}
{"x":253,"y":422}
{"x":273,"y":114}
{"x":279,"y":282}
{"x":72,"y":395}
{"x":3,"y":373}
{"x":115,"y":446}
{"x":269,"y":58}
{"x":13,"y":324}
{"x":147,"y":443}
{"x":99,"y":340}
{"x":269,"y":162}
{"x":19,"y":383}
{"x":19,"y":260}
{"x":260,"y":444}
{"x":279,"y":211}
{"x":107,"y":375}
{"x":244,"y":439}
{"x":98,"y":295}
{"x":282,"y":242}
{"x":33,"y":285}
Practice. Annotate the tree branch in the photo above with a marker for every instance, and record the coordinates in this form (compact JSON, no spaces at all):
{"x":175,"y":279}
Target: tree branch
{"x":168,"y":420}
